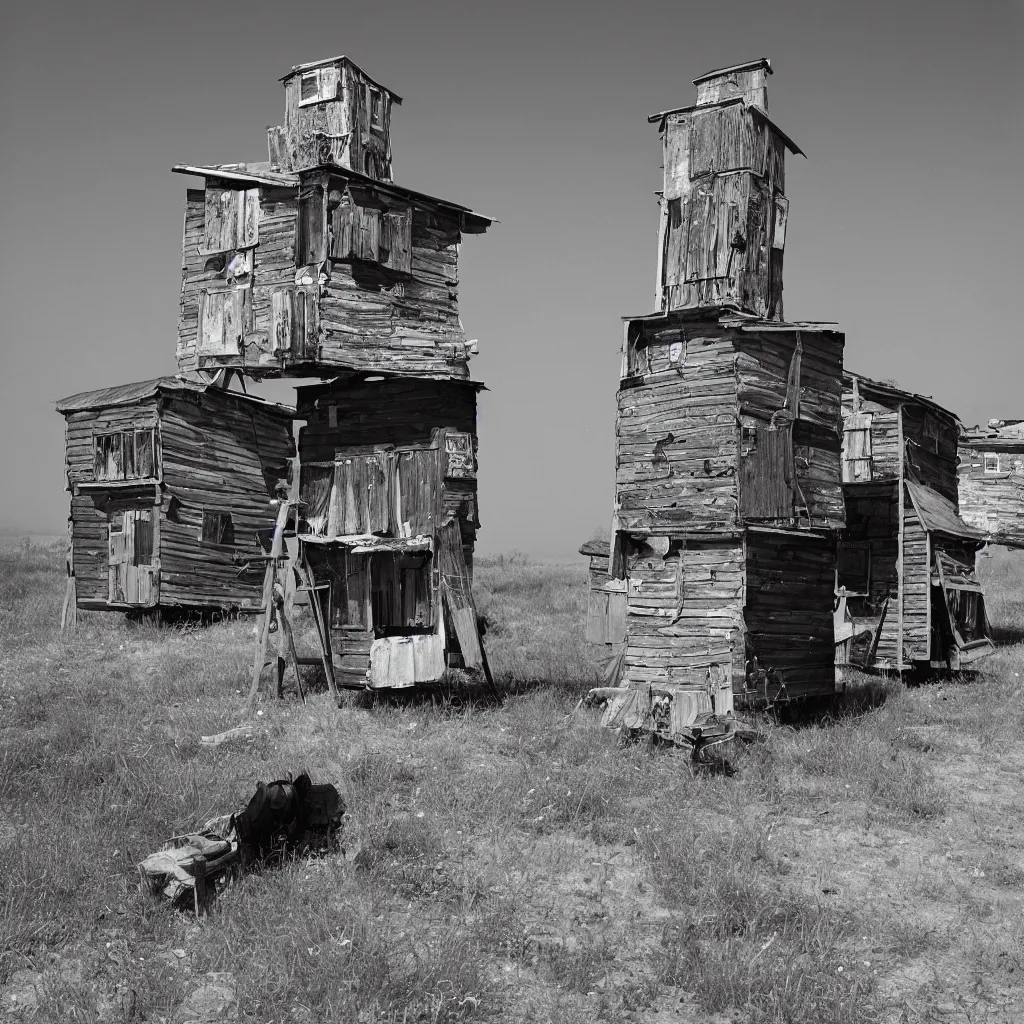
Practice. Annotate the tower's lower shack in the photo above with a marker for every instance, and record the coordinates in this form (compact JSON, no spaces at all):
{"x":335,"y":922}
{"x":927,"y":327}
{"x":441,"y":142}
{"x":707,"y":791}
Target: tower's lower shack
{"x":728,"y":497}
{"x":388,"y":520}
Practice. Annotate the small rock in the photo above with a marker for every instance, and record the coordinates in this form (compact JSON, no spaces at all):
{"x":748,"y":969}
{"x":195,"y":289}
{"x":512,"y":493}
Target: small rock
{"x":212,"y":1002}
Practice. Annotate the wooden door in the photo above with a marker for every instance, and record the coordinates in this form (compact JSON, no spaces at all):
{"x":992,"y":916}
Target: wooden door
{"x":133,"y":571}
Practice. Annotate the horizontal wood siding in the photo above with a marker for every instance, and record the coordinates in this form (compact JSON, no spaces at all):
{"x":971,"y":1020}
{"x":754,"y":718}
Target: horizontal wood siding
{"x":412,"y":325}
{"x":916,"y":584}
{"x":89,"y":547}
{"x":220,"y":455}
{"x":789,"y":629}
{"x":675,"y":464}
{"x":684,"y":612}
{"x":994,"y":501}
{"x":83,"y":426}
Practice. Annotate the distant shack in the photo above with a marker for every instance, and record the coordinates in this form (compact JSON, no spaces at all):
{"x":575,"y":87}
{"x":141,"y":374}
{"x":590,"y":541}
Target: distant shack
{"x":908,"y":594}
{"x":171,"y":482}
{"x":991,"y":481}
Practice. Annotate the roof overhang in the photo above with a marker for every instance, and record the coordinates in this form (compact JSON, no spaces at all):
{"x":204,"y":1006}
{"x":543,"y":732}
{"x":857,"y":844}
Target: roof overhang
{"x":341,"y":59}
{"x":735,"y":69}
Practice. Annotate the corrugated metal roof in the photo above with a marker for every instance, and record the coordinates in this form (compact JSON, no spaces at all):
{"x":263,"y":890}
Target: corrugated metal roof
{"x":938,"y":514}
{"x":130,"y":394}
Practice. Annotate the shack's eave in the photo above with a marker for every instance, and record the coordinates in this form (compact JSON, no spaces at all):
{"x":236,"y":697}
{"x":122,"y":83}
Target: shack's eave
{"x":895,"y":395}
{"x":260,"y":173}
{"x":340,"y":59}
{"x":132,"y":394}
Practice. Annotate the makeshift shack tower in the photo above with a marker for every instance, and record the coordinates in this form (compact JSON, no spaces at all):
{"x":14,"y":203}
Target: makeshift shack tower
{"x":314,"y":264}
{"x":728,"y":488}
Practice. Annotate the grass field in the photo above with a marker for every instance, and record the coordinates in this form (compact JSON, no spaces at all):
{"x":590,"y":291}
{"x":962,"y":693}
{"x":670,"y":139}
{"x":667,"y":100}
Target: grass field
{"x":516,"y":865}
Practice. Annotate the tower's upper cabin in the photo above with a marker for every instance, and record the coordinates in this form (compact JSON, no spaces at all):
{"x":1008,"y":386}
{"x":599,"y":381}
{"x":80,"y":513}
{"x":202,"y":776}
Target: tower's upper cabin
{"x":334,"y":114}
{"x":723,"y":207}
{"x":748,"y":82}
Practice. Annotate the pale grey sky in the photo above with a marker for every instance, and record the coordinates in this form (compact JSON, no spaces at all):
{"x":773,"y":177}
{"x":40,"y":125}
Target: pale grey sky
{"x":904,"y":222}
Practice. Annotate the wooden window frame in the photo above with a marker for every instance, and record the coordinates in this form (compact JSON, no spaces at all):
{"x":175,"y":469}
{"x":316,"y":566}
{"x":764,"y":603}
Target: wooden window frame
{"x":129,"y":440}
{"x":375,"y":98}
{"x":322,"y":79}
{"x":217,"y":528}
{"x":984,"y":461}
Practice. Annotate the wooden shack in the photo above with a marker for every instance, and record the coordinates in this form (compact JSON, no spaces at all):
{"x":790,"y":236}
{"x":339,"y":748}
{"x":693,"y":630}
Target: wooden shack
{"x":388,"y":523}
{"x":728,"y":489}
{"x":907,"y":592}
{"x":315,"y":261}
{"x":171,"y":483}
{"x":991,"y":481}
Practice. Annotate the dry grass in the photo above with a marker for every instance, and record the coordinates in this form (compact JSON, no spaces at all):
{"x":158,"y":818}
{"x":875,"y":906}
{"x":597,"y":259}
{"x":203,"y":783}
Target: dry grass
{"x":505,"y":860}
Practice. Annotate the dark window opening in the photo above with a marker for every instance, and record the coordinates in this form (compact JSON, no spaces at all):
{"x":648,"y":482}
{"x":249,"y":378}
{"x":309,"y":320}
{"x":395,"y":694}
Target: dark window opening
{"x":123,"y":455}
{"x":217,"y":528}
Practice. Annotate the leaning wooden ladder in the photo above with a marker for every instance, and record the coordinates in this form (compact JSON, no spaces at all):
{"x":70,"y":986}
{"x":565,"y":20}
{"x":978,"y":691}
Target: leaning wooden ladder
{"x":274,"y":607}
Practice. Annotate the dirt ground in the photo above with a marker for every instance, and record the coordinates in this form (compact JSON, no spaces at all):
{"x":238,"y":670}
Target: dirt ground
{"x":504,"y":859}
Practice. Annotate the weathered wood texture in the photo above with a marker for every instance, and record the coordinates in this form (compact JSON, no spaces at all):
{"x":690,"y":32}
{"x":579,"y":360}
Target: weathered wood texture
{"x":991,"y":483}
{"x":335,"y":114}
{"x":723,"y":207}
{"x":220,"y":455}
{"x":788,"y":612}
{"x":916,"y":641}
{"x":695,"y":398}
{"x":334,"y":276}
{"x":875,"y":419}
{"x":868,"y":557}
{"x":684,"y":612}
{"x":213,"y":454}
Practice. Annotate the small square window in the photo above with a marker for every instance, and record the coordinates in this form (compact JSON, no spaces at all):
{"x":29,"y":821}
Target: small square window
{"x":991,"y":462}
{"x":217,"y":528}
{"x":318,"y":85}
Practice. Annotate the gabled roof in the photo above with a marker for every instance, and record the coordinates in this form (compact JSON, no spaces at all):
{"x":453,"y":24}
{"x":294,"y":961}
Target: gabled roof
{"x":751,"y":65}
{"x":753,"y":108}
{"x":131,"y":394}
{"x":341,"y":59}
{"x":896,"y":395}
{"x":938,"y":514}
{"x":260,"y":173}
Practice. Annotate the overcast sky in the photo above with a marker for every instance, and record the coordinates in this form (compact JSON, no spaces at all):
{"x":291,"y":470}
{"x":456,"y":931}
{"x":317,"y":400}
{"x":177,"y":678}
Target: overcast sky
{"x":905,"y":220}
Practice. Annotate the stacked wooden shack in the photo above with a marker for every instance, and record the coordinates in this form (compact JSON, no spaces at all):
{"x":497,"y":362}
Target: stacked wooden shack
{"x":991,"y":481}
{"x":315,"y":264}
{"x":728,"y":490}
{"x":908,"y":594}
{"x":170,"y":483}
